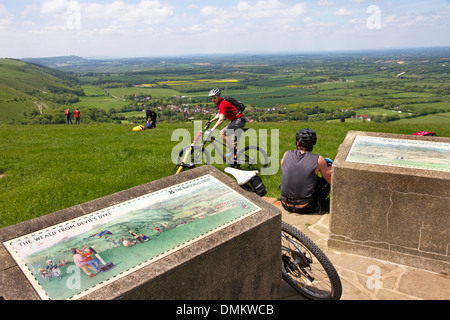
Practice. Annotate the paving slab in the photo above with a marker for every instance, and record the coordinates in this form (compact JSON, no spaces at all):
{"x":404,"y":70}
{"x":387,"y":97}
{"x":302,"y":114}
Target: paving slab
{"x":362,"y":277}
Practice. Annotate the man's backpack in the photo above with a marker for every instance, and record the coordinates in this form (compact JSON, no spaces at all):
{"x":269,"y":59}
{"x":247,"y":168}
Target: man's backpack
{"x":239,"y":105}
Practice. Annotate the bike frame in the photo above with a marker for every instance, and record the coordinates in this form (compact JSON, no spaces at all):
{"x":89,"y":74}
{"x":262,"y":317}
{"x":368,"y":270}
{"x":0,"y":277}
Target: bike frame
{"x":205,"y":142}
{"x":188,"y":153}
{"x":216,"y":147}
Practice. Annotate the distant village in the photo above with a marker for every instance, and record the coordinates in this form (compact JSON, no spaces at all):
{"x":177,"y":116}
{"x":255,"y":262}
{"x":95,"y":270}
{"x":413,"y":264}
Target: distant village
{"x":191,"y":110}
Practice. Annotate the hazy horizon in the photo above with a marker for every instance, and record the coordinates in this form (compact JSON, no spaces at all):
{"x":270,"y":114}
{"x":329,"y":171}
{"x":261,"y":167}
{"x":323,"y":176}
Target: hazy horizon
{"x":238,"y":54}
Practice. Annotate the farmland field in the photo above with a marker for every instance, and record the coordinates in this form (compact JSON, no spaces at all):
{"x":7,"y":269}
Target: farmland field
{"x":50,"y":166}
{"x":314,"y":87}
{"x":101,"y":102}
{"x":290,"y":84}
{"x":154,"y":92}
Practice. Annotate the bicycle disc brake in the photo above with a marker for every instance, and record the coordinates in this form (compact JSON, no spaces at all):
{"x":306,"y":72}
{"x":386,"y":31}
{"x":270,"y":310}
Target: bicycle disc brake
{"x":298,"y":262}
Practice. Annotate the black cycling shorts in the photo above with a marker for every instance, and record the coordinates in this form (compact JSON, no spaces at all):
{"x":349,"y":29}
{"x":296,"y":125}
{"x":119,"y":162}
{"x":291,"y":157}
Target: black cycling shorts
{"x":234,"y":127}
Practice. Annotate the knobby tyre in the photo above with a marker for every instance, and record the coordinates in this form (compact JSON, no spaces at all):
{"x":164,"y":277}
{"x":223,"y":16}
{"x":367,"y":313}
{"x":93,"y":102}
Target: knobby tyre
{"x":198,"y":156}
{"x":306,"y":268}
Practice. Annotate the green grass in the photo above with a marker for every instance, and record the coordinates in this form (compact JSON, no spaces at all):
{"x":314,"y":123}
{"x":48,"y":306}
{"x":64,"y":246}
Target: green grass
{"x":154,"y":92}
{"x":50,"y":168}
{"x":429,"y":121}
{"x":100,"y":102}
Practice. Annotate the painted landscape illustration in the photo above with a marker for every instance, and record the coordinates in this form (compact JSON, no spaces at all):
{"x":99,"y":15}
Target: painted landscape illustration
{"x":401,"y":153}
{"x":122,"y":238}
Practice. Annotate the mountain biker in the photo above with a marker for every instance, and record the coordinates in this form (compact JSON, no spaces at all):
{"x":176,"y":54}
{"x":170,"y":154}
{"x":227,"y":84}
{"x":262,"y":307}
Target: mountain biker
{"x":302,"y":191}
{"x":230,"y":112}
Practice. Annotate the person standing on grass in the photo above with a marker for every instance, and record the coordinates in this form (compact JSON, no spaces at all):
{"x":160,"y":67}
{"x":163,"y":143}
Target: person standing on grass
{"x":77,"y":116}
{"x":68,"y":116}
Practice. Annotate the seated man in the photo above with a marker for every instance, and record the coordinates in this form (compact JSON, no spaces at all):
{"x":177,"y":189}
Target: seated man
{"x":302,"y":191}
{"x":150,"y":117}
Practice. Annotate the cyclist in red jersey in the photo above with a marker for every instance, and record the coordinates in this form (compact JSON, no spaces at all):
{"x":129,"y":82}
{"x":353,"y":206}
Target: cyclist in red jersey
{"x":230,"y":112}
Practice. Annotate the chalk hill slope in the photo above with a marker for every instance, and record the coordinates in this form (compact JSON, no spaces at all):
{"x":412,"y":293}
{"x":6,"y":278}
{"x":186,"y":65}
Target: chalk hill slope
{"x":25,"y":87}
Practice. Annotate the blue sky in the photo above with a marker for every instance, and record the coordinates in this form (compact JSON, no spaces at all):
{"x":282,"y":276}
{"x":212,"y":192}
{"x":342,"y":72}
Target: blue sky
{"x":144,"y":28}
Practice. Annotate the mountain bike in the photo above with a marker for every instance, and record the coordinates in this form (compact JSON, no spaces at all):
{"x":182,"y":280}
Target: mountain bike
{"x":304,"y":265}
{"x":247,"y":158}
{"x":306,"y":268}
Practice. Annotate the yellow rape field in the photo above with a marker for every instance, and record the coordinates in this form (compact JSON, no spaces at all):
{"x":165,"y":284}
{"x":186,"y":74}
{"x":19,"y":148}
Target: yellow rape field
{"x":193,"y":82}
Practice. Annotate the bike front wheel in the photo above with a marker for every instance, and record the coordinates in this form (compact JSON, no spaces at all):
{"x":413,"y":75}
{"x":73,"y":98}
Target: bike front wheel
{"x":252,"y":158}
{"x":306,"y":268}
{"x":197,"y":156}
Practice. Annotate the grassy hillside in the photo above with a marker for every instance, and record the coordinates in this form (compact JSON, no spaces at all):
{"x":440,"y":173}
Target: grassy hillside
{"x":46,"y":168}
{"x":312,"y":87}
{"x":26,"y":87}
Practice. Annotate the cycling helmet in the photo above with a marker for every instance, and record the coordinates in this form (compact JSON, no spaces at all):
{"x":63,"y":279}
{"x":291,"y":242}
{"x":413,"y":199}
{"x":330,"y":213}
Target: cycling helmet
{"x":214,"y":92}
{"x":306,"y":137}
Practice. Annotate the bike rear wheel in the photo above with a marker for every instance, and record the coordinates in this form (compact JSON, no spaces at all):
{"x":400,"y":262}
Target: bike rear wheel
{"x":252,"y":158}
{"x":198,"y":156}
{"x":306,"y":268}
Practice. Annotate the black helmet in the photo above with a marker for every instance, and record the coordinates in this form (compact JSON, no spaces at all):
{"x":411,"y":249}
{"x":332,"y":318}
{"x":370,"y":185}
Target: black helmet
{"x":306,"y":137}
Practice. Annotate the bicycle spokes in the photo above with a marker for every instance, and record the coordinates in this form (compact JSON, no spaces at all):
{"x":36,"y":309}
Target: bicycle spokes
{"x":306,"y":268}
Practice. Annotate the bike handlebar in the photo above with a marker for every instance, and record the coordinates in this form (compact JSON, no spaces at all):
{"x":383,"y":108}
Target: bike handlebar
{"x":197,"y":137}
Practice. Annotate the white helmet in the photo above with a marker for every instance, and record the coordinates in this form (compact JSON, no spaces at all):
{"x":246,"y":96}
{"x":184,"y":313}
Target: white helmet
{"x":214,"y":92}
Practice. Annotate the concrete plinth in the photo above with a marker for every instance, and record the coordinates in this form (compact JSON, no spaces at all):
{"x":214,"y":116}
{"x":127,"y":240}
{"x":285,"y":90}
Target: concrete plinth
{"x":239,"y":260}
{"x":388,"y":204}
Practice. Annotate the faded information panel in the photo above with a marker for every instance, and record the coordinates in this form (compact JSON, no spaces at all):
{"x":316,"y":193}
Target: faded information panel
{"x":401,"y":153}
{"x":70,"y":260}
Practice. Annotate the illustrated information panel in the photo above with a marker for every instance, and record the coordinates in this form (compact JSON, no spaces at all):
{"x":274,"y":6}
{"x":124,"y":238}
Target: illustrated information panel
{"x":401,"y":153}
{"x":70,"y":260}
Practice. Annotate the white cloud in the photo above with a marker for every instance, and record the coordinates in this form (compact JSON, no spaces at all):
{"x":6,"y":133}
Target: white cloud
{"x":29,"y":9}
{"x":100,"y":17}
{"x":325,"y":3}
{"x":342,"y":12}
{"x":54,"y":7}
{"x":3,"y":10}
{"x":6,"y":18}
{"x":148,"y":12}
{"x":309,"y":24}
{"x":262,"y":9}
{"x":43,"y":27}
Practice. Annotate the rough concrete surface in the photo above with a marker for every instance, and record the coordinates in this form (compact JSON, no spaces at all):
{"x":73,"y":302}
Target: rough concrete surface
{"x":365,"y":278}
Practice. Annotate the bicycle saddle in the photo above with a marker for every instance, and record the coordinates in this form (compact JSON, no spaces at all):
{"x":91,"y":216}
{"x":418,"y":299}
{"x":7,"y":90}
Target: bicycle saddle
{"x":241,"y":176}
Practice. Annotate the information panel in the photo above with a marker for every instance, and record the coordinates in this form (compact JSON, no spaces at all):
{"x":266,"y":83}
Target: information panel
{"x":401,"y":153}
{"x":70,"y":260}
